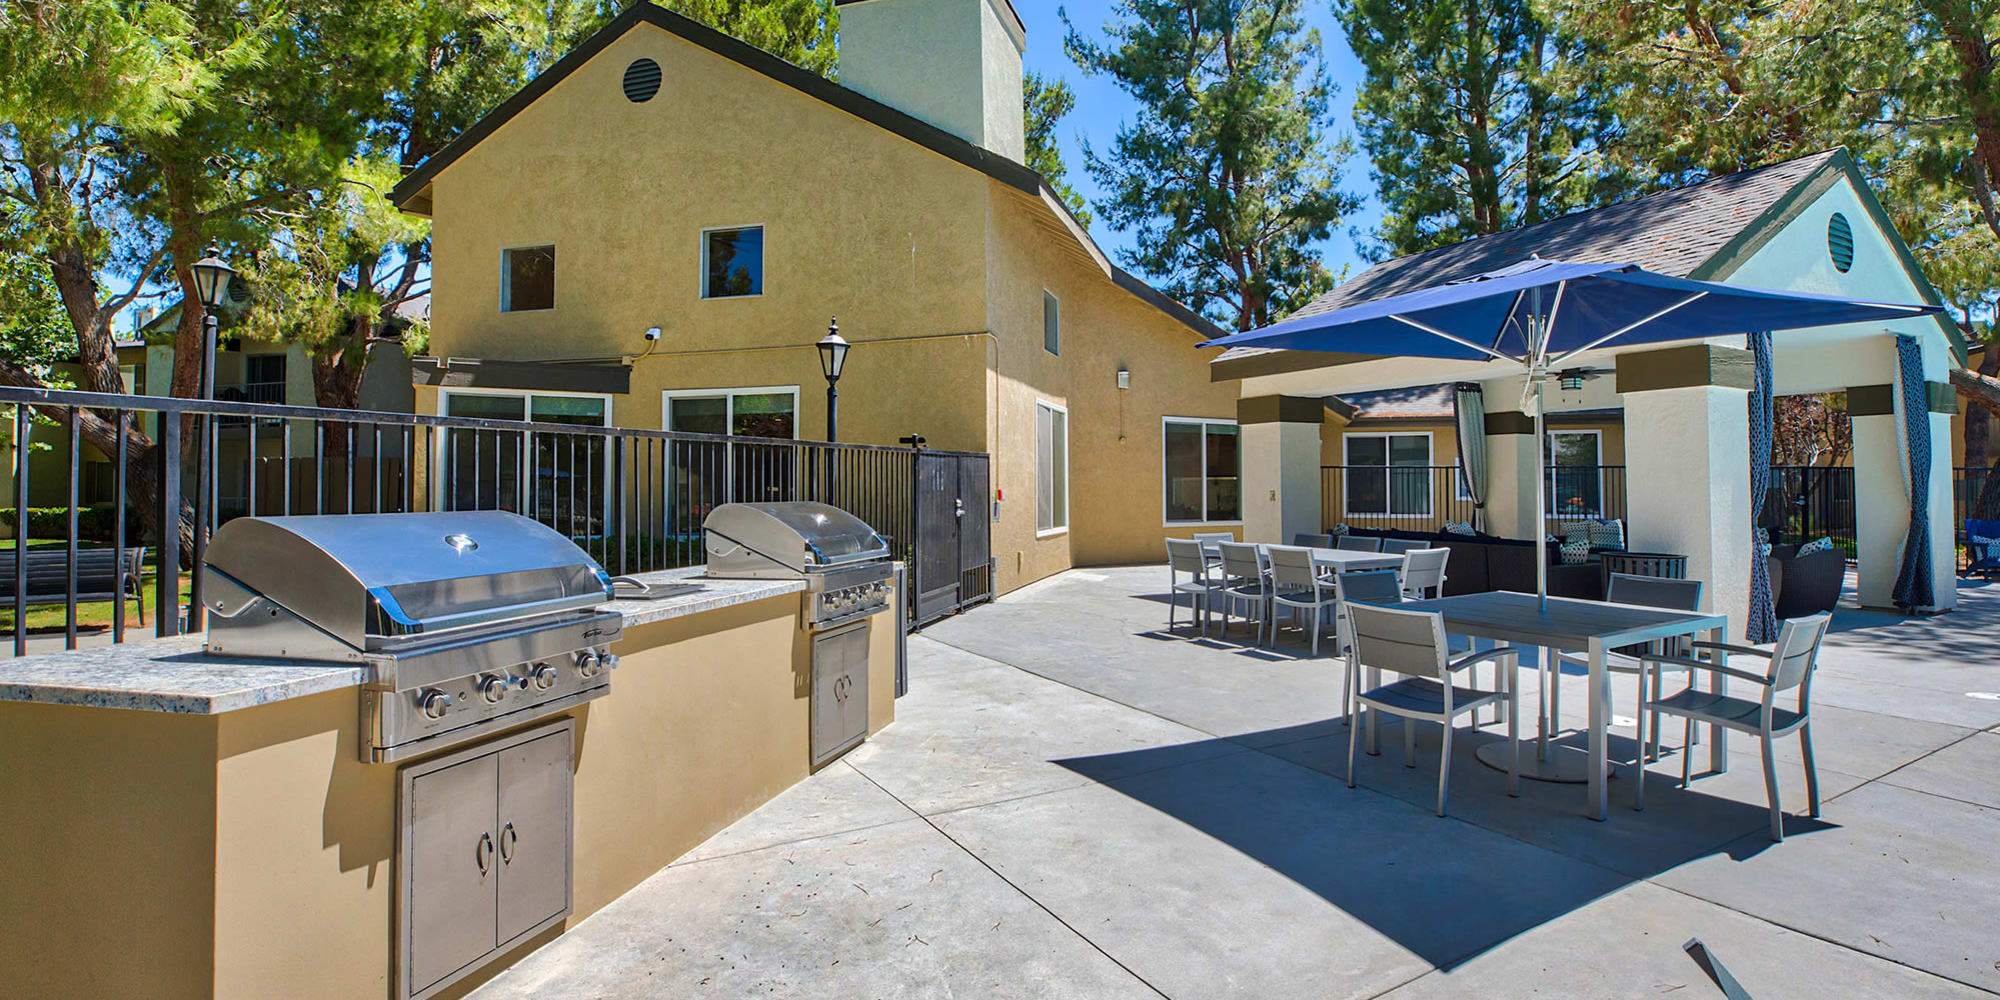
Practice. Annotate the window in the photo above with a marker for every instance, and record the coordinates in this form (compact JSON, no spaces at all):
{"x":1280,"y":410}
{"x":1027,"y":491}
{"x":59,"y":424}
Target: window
{"x":1202,"y":469}
{"x":1051,"y":323}
{"x":767,"y":411}
{"x":527,"y":279}
{"x":1576,"y":477}
{"x":1388,"y":474}
{"x":732,"y":262}
{"x":485,"y":466}
{"x":1051,"y":468}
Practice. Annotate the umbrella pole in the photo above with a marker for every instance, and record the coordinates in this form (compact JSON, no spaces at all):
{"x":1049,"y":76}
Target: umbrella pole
{"x":1541,"y":507}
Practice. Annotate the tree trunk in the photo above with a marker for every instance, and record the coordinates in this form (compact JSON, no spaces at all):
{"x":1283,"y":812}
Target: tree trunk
{"x":1980,"y":388}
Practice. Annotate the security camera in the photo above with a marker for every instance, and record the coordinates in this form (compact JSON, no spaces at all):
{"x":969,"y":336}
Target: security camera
{"x":653,"y":333}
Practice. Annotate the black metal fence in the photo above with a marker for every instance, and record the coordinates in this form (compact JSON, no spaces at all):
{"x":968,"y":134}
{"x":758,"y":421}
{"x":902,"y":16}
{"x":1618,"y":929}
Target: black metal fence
{"x":1816,"y":502}
{"x":635,"y":499}
{"x":1423,"y":497}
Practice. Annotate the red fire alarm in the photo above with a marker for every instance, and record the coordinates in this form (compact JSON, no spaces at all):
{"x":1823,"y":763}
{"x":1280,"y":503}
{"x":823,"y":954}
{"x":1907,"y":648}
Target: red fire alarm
{"x":999,"y":494}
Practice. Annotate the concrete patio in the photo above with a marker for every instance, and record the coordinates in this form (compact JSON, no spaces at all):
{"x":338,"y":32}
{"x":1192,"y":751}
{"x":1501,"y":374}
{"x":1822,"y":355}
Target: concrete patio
{"x":1073,"y":803}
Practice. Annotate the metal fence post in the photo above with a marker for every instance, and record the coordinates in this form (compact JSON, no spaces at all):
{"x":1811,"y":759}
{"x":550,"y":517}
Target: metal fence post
{"x":167,"y":575}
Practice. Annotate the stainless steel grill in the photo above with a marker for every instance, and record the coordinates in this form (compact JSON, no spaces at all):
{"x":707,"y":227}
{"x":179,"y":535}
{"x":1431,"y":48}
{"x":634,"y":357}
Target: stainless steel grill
{"x":844,"y":563}
{"x":473,"y":621}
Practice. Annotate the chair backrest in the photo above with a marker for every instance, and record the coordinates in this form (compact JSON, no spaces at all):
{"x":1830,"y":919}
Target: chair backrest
{"x":1184,"y":556}
{"x":1377,"y":585}
{"x":1305,"y":540}
{"x":1654,"y":592}
{"x":1398,"y":546}
{"x":1240,"y":560}
{"x":1394,"y":639}
{"x":1797,"y":650}
{"x":1213,"y":536}
{"x":1356,"y":544}
{"x":1423,"y":569}
{"x":1292,"y":567}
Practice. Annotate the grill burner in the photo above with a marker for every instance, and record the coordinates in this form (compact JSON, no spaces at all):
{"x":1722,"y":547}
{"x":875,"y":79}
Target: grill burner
{"x":844,"y":563}
{"x":473,"y":621}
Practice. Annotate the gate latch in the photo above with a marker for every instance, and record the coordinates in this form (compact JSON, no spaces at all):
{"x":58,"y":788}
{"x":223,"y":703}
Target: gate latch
{"x":958,"y":508}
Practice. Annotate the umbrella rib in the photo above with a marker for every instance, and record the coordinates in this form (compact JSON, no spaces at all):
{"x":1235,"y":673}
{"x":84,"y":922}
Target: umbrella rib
{"x":1434,"y":331}
{"x":1627,"y":328}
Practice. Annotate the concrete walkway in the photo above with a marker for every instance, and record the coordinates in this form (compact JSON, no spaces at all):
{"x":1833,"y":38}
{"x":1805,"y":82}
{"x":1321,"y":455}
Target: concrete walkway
{"x":1073,"y":803}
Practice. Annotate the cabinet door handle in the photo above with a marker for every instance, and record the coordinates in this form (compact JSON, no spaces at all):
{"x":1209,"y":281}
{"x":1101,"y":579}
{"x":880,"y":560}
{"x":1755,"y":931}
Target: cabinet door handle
{"x":482,"y":853}
{"x":507,"y":840}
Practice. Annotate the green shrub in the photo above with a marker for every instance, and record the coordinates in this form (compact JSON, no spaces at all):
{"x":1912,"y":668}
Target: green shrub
{"x":93,"y":524}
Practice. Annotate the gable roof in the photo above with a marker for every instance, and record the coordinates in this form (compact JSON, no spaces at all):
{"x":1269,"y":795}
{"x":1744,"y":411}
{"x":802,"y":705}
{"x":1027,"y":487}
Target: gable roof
{"x":413,"y":193}
{"x":1702,"y":231}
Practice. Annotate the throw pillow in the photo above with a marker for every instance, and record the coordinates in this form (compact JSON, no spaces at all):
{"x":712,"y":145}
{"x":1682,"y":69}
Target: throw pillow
{"x":1575,"y":553}
{"x":1340,"y":529}
{"x":1578,"y":532}
{"x":1984,"y":547}
{"x":1458,"y":528}
{"x":1608,"y":534}
{"x":1816,"y":545}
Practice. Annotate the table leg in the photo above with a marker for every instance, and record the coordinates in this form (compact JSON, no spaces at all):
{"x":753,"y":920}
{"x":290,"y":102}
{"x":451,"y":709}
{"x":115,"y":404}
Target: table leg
{"x":1600,"y":719}
{"x":1371,"y":679}
{"x":1718,"y":737}
{"x":1543,"y":710}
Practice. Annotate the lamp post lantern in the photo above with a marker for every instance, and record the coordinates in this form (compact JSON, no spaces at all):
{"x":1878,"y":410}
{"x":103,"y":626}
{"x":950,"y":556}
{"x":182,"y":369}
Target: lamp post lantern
{"x":211,"y":287}
{"x":832,"y":358}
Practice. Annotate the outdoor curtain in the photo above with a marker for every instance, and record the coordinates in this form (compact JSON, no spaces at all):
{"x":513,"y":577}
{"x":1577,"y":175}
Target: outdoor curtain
{"x":1914,"y":590}
{"x":1763,"y":624}
{"x":1468,"y":410}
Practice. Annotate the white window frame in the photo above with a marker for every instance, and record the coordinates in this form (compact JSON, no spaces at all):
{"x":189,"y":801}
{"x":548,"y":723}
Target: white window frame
{"x":667,"y":397}
{"x":1203,"y":422}
{"x":1550,"y":472}
{"x":1347,"y":463}
{"x":1050,"y":298}
{"x":440,"y":454}
{"x":1063,"y":529}
{"x":506,"y":287}
{"x":701,"y":276}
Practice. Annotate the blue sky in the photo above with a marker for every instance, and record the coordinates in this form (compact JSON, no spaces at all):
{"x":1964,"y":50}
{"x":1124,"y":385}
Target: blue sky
{"x":1101,"y":107}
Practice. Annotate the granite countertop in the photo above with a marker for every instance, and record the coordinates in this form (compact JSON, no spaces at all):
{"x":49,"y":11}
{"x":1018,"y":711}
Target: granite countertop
{"x":173,"y":675}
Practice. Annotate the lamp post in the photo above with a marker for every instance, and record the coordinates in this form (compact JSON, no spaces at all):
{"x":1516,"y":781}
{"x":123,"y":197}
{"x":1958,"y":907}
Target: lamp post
{"x":211,"y":287}
{"x":832,"y":357}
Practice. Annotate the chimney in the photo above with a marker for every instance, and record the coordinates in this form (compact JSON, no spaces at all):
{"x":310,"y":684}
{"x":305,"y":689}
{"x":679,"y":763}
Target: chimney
{"x":953,"y":63}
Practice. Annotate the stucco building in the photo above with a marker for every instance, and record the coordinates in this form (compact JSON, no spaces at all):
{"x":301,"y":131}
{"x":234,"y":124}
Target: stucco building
{"x":655,"y":231}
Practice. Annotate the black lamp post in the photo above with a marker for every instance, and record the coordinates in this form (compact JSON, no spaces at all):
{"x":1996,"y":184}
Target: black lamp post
{"x":832,"y":357}
{"x":211,"y":287}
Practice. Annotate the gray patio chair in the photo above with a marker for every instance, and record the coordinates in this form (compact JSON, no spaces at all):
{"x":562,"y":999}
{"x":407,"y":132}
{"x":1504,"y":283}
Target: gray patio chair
{"x":1352,"y":543}
{"x":1412,"y":643}
{"x":1790,"y":664}
{"x":1649,"y":592}
{"x":1375,"y":586}
{"x":1296,"y":586}
{"x":1244,"y":582}
{"x":1422,"y":575}
{"x":1209,"y":540}
{"x":1184,"y":555}
{"x":1399,"y":546}
{"x":1307,"y":541}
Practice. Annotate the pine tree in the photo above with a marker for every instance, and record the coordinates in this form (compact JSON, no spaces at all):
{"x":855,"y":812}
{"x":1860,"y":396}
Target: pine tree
{"x":1045,"y":103}
{"x":1228,"y":176}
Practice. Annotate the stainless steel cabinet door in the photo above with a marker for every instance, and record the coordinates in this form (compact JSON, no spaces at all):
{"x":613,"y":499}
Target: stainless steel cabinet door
{"x":534,"y":834}
{"x":454,"y":863}
{"x":840,"y":691}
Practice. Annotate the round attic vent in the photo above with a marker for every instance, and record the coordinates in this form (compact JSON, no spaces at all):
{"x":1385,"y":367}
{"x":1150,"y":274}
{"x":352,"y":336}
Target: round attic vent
{"x":642,"y":80}
{"x":1840,"y":242}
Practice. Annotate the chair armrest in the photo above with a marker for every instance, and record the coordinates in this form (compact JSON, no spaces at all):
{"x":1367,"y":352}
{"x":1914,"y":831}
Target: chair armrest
{"x":1731,"y":647}
{"x":1495,"y":655}
{"x":1720,"y":668}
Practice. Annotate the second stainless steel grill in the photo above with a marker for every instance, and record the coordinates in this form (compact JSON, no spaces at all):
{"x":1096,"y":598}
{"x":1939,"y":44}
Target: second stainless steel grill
{"x":843,"y":562}
{"x":472,"y":621}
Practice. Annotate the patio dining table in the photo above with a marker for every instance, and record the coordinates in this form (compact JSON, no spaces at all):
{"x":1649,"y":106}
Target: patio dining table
{"x":1570,"y":624}
{"x":1337,"y":560}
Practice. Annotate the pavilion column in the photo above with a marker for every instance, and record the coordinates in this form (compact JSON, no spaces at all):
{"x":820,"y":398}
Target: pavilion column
{"x":1510,"y":463}
{"x":1280,"y":466}
{"x":1687,"y":466}
{"x":1881,"y":493}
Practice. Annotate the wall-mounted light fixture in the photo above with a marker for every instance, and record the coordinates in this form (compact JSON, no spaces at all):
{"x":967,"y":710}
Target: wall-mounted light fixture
{"x":1124,"y":379}
{"x":1571,"y":380}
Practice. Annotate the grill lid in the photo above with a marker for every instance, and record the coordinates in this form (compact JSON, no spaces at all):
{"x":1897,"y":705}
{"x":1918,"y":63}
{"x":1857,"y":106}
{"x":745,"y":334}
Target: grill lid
{"x":364,"y":577}
{"x":798,"y":535}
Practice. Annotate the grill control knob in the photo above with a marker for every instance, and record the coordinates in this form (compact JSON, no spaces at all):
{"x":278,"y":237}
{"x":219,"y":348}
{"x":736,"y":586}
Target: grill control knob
{"x":493,"y":687}
{"x":544,"y":677}
{"x":587,"y":663}
{"x":433,"y":703}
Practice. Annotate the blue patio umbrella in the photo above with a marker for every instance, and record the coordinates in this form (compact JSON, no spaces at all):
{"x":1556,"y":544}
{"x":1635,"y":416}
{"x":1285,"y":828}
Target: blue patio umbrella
{"x":1538,"y":314}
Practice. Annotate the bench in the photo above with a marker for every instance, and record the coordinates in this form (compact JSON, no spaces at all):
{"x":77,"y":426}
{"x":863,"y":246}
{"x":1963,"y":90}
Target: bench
{"x":101,"y":575}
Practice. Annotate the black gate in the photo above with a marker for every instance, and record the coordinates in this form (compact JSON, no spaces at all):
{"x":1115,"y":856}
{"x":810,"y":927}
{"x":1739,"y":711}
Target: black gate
{"x":953,"y":565}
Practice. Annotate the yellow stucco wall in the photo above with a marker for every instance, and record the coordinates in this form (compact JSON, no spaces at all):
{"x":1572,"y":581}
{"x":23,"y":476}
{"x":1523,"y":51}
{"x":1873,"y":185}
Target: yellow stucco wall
{"x":251,"y":854}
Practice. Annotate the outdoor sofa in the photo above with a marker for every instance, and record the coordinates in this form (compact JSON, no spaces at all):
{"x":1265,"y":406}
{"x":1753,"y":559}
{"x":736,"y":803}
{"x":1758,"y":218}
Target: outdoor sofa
{"x":1482,"y":563}
{"x":1805,"y":585}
